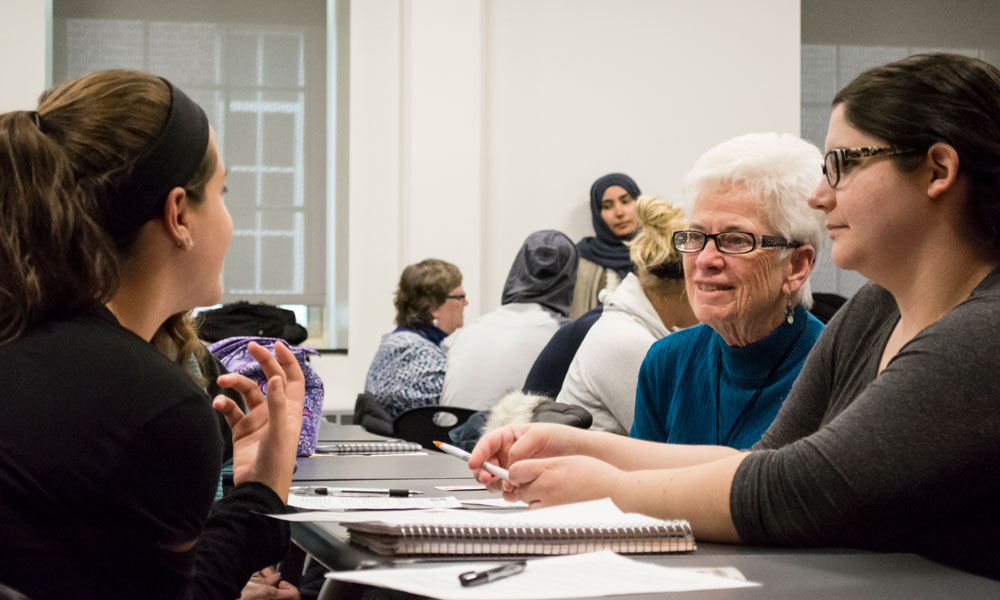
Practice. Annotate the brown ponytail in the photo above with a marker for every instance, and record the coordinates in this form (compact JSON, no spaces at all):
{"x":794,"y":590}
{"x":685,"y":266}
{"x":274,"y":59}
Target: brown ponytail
{"x":56,"y":178}
{"x":177,"y":339}
{"x":54,"y":257}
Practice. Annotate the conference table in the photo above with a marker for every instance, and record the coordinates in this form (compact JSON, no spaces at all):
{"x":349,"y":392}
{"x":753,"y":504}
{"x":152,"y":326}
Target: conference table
{"x":400,"y":466}
{"x":816,"y":574}
{"x":335,"y":432}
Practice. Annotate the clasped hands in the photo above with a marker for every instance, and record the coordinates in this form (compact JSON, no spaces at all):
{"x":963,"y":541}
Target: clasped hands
{"x":546,"y":465}
{"x":266,"y":438}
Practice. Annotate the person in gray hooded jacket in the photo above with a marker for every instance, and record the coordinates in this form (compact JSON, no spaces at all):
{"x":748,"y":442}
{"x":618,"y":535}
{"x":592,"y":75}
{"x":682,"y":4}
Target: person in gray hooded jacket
{"x":494,"y":354}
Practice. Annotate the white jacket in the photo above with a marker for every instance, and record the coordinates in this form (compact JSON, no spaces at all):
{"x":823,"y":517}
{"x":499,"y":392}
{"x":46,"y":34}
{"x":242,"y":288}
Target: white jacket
{"x":605,"y":370}
{"x":493,"y":355}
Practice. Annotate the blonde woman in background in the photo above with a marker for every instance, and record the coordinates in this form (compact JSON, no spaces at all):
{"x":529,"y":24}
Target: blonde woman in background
{"x":649,"y":304}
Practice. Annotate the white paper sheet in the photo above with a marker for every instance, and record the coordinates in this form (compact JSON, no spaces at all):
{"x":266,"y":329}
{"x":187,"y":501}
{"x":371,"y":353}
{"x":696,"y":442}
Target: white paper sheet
{"x":576,"y":576}
{"x":392,"y":454}
{"x":493,"y":503}
{"x":337,"y":502}
{"x":578,"y":514}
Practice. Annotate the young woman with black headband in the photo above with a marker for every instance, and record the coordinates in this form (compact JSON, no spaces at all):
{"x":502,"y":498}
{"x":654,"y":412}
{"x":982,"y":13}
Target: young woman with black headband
{"x":113,"y":223}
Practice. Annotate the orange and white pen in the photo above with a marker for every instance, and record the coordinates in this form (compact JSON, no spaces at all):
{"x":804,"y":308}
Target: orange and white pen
{"x":459,"y":453}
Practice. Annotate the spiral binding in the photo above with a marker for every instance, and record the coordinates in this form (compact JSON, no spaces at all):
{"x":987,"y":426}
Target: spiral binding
{"x":369,"y":448}
{"x":664,"y":536}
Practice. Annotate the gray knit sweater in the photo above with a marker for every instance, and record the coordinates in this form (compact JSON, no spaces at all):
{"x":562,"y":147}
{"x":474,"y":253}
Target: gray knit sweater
{"x":906,"y":460}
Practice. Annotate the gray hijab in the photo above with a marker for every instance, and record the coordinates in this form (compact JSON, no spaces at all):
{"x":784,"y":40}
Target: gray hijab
{"x":543,"y":272}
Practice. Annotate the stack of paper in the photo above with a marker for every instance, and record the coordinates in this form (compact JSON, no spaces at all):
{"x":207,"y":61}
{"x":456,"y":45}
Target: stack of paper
{"x":577,"y":576}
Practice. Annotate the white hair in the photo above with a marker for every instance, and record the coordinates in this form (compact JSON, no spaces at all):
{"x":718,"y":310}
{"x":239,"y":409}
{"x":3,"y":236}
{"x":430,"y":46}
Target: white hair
{"x":780,"y":171}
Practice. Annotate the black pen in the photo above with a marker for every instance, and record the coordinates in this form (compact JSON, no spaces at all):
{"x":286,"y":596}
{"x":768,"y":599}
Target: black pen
{"x":333,"y":491}
{"x":470,"y":578}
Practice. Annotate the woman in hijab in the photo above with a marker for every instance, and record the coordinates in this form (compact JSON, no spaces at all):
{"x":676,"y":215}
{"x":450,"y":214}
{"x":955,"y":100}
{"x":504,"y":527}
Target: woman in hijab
{"x":604,"y":258}
{"x":494,"y":354}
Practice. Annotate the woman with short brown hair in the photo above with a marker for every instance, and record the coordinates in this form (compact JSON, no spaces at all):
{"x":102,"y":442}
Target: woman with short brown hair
{"x":408,"y":368}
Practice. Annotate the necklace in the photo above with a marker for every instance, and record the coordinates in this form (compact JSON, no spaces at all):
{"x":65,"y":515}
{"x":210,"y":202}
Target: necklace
{"x":753,"y":399}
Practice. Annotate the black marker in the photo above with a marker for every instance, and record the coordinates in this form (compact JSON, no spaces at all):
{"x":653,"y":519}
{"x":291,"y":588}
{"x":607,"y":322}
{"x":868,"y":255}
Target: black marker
{"x":336,"y":491}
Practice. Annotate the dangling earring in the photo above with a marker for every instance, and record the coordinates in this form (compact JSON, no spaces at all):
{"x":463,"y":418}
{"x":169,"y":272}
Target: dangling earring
{"x":789,"y":313}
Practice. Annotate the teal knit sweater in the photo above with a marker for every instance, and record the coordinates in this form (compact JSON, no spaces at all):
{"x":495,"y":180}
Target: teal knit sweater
{"x":680,"y":384}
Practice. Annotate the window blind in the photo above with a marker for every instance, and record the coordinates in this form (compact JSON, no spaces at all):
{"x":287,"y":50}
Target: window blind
{"x":259,"y":70}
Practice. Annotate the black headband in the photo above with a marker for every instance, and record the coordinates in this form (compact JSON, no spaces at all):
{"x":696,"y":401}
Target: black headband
{"x":171,"y":162}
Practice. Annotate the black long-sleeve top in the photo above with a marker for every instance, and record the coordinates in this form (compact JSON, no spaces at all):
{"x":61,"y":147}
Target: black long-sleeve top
{"x":109,"y":461}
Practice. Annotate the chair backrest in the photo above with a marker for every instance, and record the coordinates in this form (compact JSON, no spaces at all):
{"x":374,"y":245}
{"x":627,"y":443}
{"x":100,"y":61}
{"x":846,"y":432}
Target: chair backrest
{"x":371,"y":416}
{"x":425,"y":424}
{"x":826,"y":305}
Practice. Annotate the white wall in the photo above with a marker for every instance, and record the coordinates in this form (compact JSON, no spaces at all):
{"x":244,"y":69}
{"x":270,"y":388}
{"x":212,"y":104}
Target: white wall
{"x":23,"y":46}
{"x":475,"y":122}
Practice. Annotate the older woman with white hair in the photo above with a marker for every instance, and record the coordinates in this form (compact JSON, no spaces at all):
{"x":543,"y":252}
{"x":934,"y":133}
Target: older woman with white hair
{"x":748,"y":252}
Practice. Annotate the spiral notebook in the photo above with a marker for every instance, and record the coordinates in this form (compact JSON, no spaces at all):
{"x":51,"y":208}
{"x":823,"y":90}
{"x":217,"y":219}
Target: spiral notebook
{"x":567,"y":529}
{"x":386,"y":447}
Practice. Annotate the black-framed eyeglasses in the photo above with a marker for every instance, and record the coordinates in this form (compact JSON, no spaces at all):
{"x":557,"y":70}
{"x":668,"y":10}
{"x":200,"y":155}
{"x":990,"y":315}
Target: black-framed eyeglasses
{"x":456,"y":297}
{"x":728,"y":242}
{"x":837,"y":161}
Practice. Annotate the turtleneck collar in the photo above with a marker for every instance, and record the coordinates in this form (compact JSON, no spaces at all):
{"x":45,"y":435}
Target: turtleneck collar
{"x":751,"y":364}
{"x":426,"y":331}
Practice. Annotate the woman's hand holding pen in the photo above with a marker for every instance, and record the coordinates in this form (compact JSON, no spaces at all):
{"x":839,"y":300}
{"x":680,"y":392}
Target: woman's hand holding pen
{"x":561,"y":480}
{"x":509,"y":445}
{"x":266,"y":438}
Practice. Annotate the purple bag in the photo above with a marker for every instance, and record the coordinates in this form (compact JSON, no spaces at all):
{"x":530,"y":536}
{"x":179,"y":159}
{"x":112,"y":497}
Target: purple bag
{"x":232,"y":353}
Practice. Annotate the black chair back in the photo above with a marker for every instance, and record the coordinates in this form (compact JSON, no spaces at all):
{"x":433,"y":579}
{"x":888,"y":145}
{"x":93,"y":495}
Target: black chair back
{"x":826,"y":305}
{"x":425,"y":424}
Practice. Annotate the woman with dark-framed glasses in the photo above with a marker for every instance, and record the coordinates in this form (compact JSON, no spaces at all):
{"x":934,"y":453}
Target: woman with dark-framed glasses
{"x":890,"y":437}
{"x":408,"y":368}
{"x":747,"y":255}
